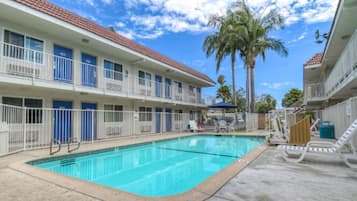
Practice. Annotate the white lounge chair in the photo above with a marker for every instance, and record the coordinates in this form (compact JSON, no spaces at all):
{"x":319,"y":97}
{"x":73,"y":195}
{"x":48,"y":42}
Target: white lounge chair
{"x":313,"y":128}
{"x":324,"y":147}
{"x":193,"y":126}
{"x":279,"y":136}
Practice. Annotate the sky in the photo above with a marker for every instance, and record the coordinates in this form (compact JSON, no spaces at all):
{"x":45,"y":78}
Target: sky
{"x":177,"y":29}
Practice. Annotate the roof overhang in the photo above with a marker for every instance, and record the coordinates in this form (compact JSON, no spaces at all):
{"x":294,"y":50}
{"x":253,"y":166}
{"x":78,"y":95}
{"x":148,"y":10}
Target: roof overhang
{"x":133,"y":55}
{"x":340,"y":32}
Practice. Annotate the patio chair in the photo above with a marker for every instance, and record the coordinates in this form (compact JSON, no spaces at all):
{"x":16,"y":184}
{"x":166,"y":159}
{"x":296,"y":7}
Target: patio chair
{"x":222,"y":125}
{"x":324,"y":147}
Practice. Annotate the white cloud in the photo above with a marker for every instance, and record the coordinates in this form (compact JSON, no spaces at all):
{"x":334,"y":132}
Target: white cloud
{"x":107,"y":1}
{"x":90,"y":2}
{"x":299,"y":38}
{"x":275,"y":85}
{"x":180,"y":16}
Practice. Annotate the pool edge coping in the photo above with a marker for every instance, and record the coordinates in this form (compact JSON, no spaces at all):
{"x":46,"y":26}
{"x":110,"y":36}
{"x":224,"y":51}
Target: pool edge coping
{"x":200,"y":192}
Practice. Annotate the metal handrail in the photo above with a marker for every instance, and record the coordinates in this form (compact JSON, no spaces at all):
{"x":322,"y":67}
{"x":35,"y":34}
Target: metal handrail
{"x":69,"y":146}
{"x":58,"y":149}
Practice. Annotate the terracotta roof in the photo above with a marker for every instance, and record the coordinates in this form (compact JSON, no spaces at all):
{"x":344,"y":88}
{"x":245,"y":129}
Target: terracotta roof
{"x":55,"y":11}
{"x":316,"y":59}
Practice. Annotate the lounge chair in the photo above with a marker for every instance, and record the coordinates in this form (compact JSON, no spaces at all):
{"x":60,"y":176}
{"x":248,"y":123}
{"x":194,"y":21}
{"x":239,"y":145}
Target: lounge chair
{"x":193,"y":126}
{"x":314,"y":130}
{"x":324,"y":147}
{"x":279,"y":136}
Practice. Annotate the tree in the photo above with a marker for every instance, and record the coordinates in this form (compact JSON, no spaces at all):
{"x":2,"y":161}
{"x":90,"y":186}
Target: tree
{"x":223,"y":92}
{"x":240,"y":100}
{"x":265,"y":103}
{"x":223,"y":42}
{"x":255,"y":41}
{"x":292,"y":96}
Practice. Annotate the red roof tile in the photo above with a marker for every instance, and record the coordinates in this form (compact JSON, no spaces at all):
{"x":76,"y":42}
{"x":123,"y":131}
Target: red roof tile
{"x":53,"y":10}
{"x":316,"y":59}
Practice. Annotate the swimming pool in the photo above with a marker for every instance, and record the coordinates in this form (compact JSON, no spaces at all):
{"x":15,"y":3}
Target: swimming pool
{"x":159,"y":168}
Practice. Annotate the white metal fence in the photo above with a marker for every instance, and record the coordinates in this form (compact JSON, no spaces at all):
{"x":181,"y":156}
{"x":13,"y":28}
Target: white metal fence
{"x":24,"y":128}
{"x":341,"y":115}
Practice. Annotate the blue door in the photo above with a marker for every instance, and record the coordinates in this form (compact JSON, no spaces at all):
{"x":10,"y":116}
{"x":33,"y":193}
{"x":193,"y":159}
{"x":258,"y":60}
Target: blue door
{"x":89,"y":70}
{"x":62,"y":121}
{"x":158,"y":119}
{"x":168,"y":119}
{"x":167,"y":88}
{"x":62,"y":64}
{"x":158,"y":81}
{"x":89,"y":119}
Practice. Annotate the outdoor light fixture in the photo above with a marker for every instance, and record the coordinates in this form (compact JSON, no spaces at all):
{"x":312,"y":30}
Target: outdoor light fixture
{"x":317,"y":36}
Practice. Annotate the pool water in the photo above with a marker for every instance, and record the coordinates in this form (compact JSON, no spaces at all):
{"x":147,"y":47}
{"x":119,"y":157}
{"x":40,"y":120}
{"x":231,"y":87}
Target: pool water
{"x":155,"y":169}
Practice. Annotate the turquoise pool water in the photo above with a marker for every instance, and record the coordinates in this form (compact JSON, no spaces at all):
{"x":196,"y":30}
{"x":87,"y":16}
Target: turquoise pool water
{"x":155,"y":169}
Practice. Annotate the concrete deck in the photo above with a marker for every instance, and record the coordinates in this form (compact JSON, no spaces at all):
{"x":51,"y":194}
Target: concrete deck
{"x":267,"y":178}
{"x":270,"y":178}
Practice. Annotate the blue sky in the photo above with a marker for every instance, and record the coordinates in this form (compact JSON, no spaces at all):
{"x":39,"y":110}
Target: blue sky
{"x":177,"y":29}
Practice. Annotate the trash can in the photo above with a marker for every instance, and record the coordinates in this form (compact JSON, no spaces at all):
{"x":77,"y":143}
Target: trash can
{"x":327,"y":130}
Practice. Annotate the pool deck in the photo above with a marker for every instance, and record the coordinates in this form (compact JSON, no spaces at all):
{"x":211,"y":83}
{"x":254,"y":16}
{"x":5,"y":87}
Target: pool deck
{"x":266,"y":178}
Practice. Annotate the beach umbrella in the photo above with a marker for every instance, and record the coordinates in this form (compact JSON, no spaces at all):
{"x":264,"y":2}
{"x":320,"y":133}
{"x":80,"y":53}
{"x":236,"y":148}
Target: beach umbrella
{"x":223,"y":106}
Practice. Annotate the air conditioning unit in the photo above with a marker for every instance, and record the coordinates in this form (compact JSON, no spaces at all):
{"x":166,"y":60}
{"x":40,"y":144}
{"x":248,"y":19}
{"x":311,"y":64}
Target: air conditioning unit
{"x":24,"y":71}
{"x":145,"y":129}
{"x":114,"y":87}
{"x":113,"y":130}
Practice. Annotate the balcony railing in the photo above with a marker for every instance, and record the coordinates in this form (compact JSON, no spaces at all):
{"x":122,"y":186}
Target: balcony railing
{"x":33,"y":65}
{"x":314,"y":91}
{"x":344,"y":67}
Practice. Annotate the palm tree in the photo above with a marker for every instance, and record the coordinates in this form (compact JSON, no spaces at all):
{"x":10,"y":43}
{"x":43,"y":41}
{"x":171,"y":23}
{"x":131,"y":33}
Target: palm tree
{"x":221,"y":80}
{"x":255,"y":41}
{"x":223,"y":43}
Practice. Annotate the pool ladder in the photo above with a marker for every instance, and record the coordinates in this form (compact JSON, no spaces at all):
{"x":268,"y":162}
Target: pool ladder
{"x":74,"y":149}
{"x":58,"y":147}
{"x":53,"y":142}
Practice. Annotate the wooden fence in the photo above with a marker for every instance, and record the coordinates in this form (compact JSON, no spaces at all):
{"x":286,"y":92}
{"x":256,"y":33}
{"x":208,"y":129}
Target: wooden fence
{"x":300,"y":132}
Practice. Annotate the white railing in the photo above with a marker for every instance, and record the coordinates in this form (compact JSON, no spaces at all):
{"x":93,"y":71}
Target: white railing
{"x":344,"y":68}
{"x":341,"y":116}
{"x":32,"y":128}
{"x":24,"y":128}
{"x":34,"y":65}
{"x":315,"y":90}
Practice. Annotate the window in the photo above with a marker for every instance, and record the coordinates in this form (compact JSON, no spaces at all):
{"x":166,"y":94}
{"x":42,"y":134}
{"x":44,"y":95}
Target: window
{"x":144,"y":78}
{"x":33,"y":110}
{"x":113,"y":113}
{"x":23,"y":47}
{"x":192,"y":115}
{"x":178,"y":115}
{"x":14,"y":115}
{"x":179,"y":87}
{"x":113,"y":70}
{"x":145,"y":114}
